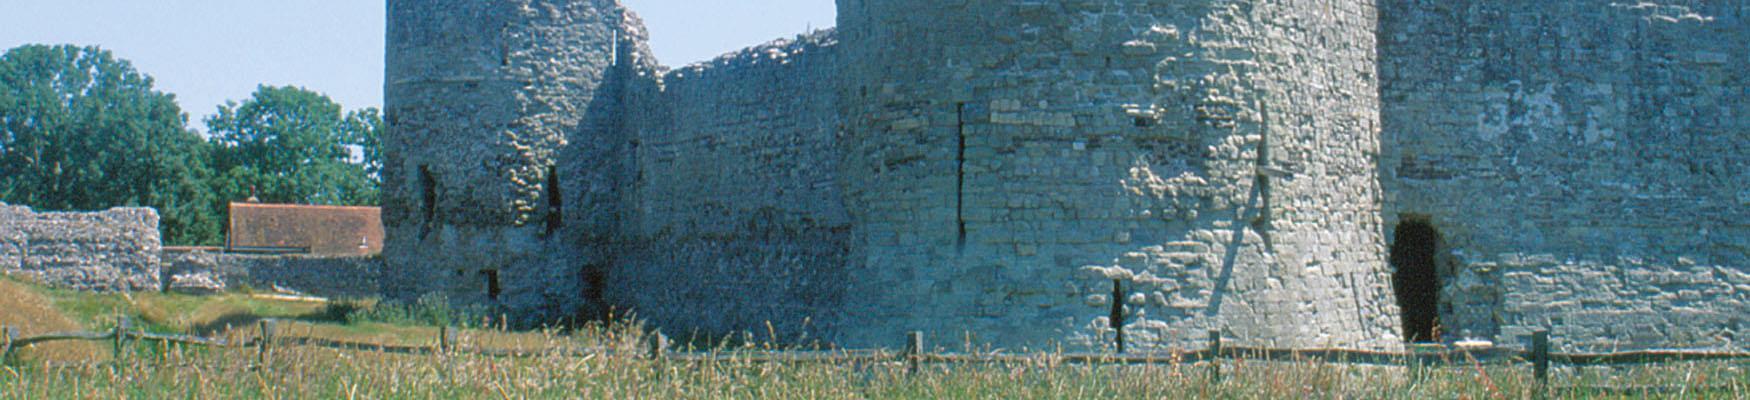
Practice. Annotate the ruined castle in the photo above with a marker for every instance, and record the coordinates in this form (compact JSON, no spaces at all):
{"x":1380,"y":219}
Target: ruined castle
{"x":1027,"y":173}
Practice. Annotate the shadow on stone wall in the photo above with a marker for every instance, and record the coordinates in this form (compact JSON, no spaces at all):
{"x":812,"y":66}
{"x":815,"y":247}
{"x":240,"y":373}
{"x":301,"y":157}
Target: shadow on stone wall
{"x":342,"y":277}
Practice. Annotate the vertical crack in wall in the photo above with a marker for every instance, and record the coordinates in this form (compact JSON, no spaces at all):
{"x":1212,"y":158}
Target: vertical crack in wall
{"x":960,"y":172}
{"x":1262,"y":223}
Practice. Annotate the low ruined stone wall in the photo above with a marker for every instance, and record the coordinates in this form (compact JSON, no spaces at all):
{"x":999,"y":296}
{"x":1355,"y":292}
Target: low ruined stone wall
{"x":115,"y":250}
{"x":12,"y":238}
{"x":314,"y":275}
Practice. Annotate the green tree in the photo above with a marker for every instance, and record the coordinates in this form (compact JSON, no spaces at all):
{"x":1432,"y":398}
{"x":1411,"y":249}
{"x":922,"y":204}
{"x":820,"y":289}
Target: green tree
{"x":292,"y":145}
{"x":365,"y":129}
{"x":82,"y":130}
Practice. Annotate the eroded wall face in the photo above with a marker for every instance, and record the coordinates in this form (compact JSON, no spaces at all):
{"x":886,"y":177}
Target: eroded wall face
{"x":496,"y":109}
{"x":739,"y":219}
{"x":114,"y":250}
{"x":1583,"y":161}
{"x":342,"y":277}
{"x":1007,"y":161}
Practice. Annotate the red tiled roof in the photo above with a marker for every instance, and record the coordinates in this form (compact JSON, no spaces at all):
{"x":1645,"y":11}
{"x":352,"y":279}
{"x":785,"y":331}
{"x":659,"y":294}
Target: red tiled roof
{"x":323,"y":230}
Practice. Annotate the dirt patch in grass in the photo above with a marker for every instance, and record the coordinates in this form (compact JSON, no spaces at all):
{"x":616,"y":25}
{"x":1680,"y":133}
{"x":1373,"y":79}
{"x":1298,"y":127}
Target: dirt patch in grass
{"x":37,"y":309}
{"x":30,"y":312}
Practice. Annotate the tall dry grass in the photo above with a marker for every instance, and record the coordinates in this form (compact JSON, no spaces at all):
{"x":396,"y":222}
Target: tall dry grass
{"x":621,"y":372}
{"x":31,"y":313}
{"x":617,"y":369}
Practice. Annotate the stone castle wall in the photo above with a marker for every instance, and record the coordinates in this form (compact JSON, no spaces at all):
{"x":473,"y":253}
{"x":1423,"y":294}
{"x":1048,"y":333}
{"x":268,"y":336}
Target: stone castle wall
{"x":114,"y":250}
{"x":505,"y":152}
{"x":738,"y":218}
{"x":997,"y":148}
{"x":324,"y":276}
{"x":991,"y":169}
{"x":1584,"y":163}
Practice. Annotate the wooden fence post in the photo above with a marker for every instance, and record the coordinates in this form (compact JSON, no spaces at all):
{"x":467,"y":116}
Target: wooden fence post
{"x":658,"y":345}
{"x":914,"y":351}
{"x":445,"y":340}
{"x":265,"y":341}
{"x":1419,"y":359}
{"x":1540,"y":356}
{"x":9,"y":335}
{"x":1214,"y":356}
{"x":119,"y":339}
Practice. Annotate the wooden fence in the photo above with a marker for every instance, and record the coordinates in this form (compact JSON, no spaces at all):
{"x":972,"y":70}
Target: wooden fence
{"x":914,"y":355}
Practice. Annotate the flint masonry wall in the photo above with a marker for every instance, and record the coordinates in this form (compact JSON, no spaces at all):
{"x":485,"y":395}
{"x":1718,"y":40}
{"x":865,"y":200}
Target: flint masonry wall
{"x":739,"y":219}
{"x":996,"y":166}
{"x":1583,"y":161}
{"x":13,"y":238}
{"x":323,"y":276}
{"x":505,"y":153}
{"x":1007,"y":161}
{"x":114,"y":250}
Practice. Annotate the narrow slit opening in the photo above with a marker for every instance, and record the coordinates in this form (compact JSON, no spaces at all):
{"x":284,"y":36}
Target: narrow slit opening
{"x":1116,"y":319}
{"x":555,"y":202}
{"x":960,"y":172}
{"x":493,"y":290}
{"x":428,"y":196}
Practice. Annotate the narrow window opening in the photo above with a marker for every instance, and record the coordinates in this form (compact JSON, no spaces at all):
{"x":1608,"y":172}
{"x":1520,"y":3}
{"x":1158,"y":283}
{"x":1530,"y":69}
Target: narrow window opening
{"x":492,"y":287}
{"x":1416,"y":280}
{"x":428,"y":190}
{"x":960,"y":172}
{"x":555,"y":202}
{"x":1116,"y":319}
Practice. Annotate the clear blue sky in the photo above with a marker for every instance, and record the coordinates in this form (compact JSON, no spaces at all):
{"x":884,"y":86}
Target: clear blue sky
{"x":209,"y":51}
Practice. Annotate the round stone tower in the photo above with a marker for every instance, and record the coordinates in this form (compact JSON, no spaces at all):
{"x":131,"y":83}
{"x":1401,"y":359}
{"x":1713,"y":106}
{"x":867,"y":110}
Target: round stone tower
{"x":1030,"y":172}
{"x":501,"y":151}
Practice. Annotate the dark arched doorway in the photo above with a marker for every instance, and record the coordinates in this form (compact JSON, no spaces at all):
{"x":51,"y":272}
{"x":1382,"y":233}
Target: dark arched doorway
{"x":1416,"y":279}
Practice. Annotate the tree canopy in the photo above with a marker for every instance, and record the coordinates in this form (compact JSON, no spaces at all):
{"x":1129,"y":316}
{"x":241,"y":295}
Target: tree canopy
{"x":292,"y":145}
{"x":82,"y":130}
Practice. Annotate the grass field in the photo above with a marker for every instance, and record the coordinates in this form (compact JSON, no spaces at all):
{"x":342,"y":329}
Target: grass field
{"x":311,"y":372}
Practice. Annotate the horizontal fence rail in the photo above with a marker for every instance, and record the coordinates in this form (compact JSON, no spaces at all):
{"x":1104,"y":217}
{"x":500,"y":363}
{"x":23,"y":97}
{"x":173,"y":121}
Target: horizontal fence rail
{"x":914,"y":355}
{"x":1457,"y":356}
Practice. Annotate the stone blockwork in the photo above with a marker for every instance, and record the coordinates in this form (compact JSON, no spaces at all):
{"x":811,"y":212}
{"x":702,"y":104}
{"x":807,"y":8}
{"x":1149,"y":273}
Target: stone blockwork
{"x":13,"y":237}
{"x":739,"y":219}
{"x":120,"y":250}
{"x":990,"y":169}
{"x":1010,"y":160}
{"x":344,"y":277}
{"x":115,"y":250}
{"x":504,"y":153}
{"x":1585,"y":163}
